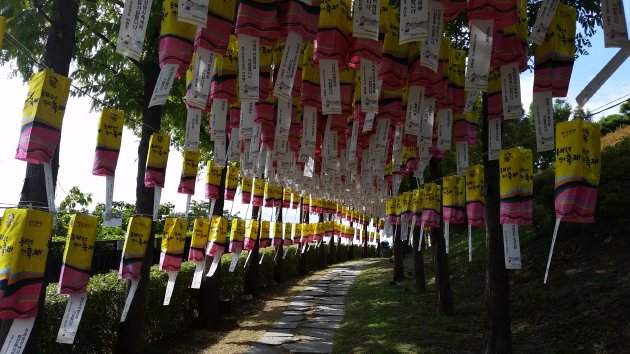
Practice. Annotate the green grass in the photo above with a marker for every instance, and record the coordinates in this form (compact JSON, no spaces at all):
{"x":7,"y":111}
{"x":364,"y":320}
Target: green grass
{"x":583,"y":308}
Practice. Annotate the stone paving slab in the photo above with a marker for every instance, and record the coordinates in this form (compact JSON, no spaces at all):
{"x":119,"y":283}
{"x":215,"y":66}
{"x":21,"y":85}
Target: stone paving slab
{"x":310,"y":320}
{"x":309,"y":347}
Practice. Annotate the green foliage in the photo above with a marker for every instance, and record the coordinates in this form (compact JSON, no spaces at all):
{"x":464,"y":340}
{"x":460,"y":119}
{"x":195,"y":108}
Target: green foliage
{"x":75,"y":202}
{"x":612,"y":122}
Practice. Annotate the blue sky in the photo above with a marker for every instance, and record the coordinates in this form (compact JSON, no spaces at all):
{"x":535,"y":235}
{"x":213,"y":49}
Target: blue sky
{"x":79,"y":132}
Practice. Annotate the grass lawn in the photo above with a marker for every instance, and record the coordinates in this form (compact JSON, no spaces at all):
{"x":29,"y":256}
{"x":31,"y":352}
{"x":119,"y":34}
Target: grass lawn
{"x":585,"y":307}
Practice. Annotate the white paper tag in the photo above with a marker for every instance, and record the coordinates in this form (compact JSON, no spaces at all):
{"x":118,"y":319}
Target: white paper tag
{"x":71,"y":318}
{"x":283,"y":122}
{"x":365,"y":18}
{"x":283,"y":87}
{"x":414,"y":21}
{"x":494,"y":139}
{"x":234,"y":150}
{"x":193,"y":125}
{"x":447,"y":234}
{"x":369,"y":121}
{"x":130,"y":295}
{"x":430,"y":48}
{"x":194,"y":12}
{"x":234,"y":262}
{"x":614,"y":23}
{"x":220,"y":152}
{"x":109,"y":198}
{"x":598,"y":81}
{"x":426,"y":125}
{"x":246,"y":120}
{"x":369,"y":89}
{"x":511,"y":246}
{"x":461,"y":149}
{"x":50,"y":188}
{"x":471,"y":99}
{"x":309,"y":168}
{"x":215,"y":263}
{"x":543,"y":119}
{"x":248,"y":74}
{"x":543,"y":20}
{"x":254,"y":146}
{"x":397,"y":148}
{"x":198,"y":275}
{"x":157,"y":194}
{"x":352,"y":151}
{"x":18,"y":335}
{"x":218,"y":119}
{"x":511,"y":91}
{"x":445,"y":129}
{"x":330,"y":88}
{"x":382,"y":134}
{"x":414,"y":110}
{"x":202,"y":78}
{"x":133,"y":27}
{"x":478,"y":66}
{"x":163,"y":85}
{"x":170,"y":285}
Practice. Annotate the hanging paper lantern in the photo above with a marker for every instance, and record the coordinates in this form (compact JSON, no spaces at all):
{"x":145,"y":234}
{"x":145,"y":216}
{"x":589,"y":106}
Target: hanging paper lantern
{"x":246,"y":190}
{"x":25,"y":234}
{"x":259,"y":191}
{"x":310,"y":91}
{"x":42,"y":117}
{"x":431,"y":205}
{"x":465,"y":128}
{"x":213,"y":180}
{"x":475,"y":200}
{"x":189,"y":173}
{"x":417,"y":201}
{"x":199,"y":240}
{"x":296,"y":233}
{"x":136,"y":240}
{"x":553,"y":60}
{"x":215,"y":37}
{"x":276,"y":233}
{"x":503,"y":13}
{"x":265,"y":240}
{"x":172,"y":248}
{"x":216,"y":240}
{"x":495,"y":99}
{"x":251,"y":234}
{"x":509,"y":44}
{"x":453,"y":199}
{"x":176,"y":38}
{"x":231,"y":182}
{"x":224,"y":82}
{"x":306,"y":204}
{"x":334,"y":29}
{"x":578,"y":166}
{"x":258,"y":18}
{"x":108,"y":140}
{"x":457,"y":79}
{"x":157,"y":158}
{"x":295,"y":200}
{"x":516,"y":186}
{"x":269,"y":189}
{"x":286,"y":198}
{"x":237,"y":235}
{"x":77,"y":256}
{"x":452,"y":9}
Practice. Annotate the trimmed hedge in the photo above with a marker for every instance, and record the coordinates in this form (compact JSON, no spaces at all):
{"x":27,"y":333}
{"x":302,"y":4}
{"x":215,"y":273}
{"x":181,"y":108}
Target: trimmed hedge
{"x":106,"y":297}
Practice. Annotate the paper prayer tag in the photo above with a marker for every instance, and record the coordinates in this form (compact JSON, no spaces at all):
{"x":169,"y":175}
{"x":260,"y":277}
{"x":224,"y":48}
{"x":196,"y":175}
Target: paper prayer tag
{"x":71,"y":318}
{"x":163,"y":85}
{"x":283,"y":87}
{"x":478,"y":66}
{"x":543,"y":120}
{"x":248,"y":67}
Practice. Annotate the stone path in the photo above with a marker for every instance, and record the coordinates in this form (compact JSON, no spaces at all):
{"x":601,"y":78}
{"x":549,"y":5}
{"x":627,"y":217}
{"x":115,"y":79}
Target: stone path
{"x":309,"y":322}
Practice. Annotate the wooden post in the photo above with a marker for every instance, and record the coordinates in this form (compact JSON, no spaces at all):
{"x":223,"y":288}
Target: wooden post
{"x":210,"y":290}
{"x":278,"y":269}
{"x":303,"y":261}
{"x":418,"y":261}
{"x":399,"y":267}
{"x":252,"y":273}
{"x":443,"y":292}
{"x":497,"y":332}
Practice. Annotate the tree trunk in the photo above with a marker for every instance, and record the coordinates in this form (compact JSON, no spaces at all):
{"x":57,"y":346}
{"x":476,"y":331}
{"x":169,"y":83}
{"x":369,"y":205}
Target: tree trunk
{"x":399,"y":268}
{"x":57,"y":57}
{"x":210,"y":290}
{"x":497,"y":333}
{"x":252,"y":273}
{"x":303,"y":262}
{"x":130,"y":337}
{"x":323,"y":257}
{"x":418,"y":261}
{"x":443,"y":293}
{"x":278,"y":269}
{"x":365,"y":248}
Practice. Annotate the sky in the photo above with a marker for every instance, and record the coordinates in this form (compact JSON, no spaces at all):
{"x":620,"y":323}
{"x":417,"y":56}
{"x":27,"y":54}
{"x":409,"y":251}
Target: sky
{"x":79,"y":134}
